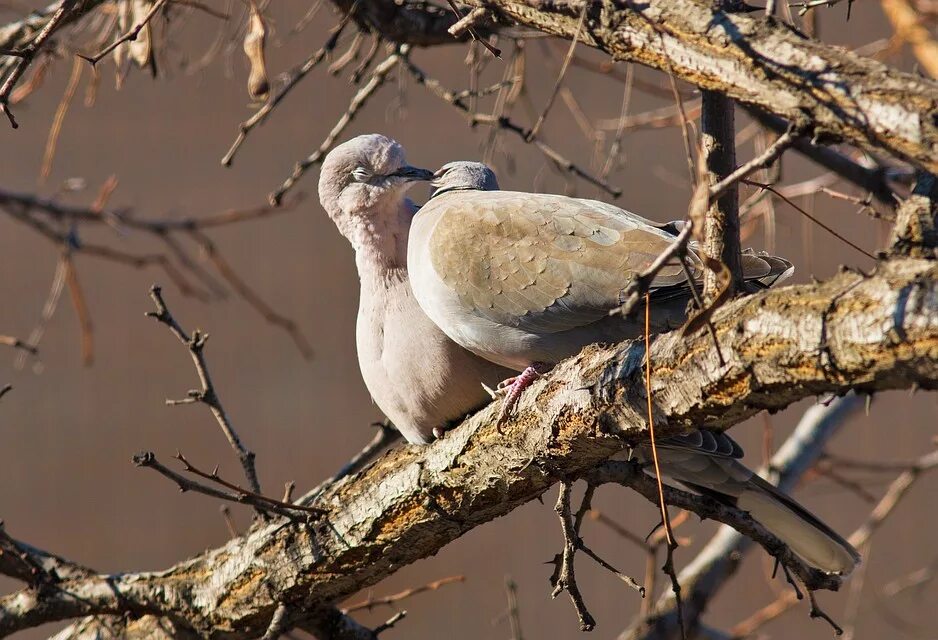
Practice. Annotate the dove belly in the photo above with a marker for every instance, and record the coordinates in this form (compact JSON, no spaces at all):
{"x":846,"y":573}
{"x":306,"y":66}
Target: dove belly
{"x":417,"y":376}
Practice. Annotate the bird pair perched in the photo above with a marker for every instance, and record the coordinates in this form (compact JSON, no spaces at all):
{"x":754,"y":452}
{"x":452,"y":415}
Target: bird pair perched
{"x":481,"y":285}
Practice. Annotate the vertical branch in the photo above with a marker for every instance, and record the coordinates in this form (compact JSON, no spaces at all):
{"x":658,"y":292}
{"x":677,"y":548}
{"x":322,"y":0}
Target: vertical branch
{"x":916,"y":230}
{"x":721,"y":228}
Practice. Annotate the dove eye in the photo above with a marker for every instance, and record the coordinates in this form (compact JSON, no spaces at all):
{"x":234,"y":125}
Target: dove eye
{"x":361,"y":174}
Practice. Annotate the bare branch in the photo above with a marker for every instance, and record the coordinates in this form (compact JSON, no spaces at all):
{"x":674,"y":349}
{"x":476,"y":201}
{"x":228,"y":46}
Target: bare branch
{"x":27,"y":53}
{"x":130,"y":36}
{"x":206,"y":395}
{"x":377,"y":79}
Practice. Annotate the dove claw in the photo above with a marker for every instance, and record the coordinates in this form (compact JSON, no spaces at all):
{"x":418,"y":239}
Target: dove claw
{"x":512,"y":388}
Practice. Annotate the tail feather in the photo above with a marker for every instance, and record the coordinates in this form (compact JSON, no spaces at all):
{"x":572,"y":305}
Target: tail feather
{"x":797,"y":527}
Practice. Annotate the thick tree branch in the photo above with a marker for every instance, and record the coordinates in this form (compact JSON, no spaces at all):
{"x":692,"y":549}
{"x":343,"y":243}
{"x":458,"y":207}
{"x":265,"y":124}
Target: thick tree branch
{"x":759,"y":62}
{"x":866,"y":332}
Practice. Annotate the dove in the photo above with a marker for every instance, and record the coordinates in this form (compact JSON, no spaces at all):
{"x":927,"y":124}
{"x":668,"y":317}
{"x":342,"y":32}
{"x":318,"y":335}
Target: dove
{"x":525,"y":280}
{"x":417,"y":376}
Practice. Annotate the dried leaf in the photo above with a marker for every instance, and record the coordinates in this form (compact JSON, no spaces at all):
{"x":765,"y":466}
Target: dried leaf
{"x":141,"y":49}
{"x":724,"y":278}
{"x":122,"y":53}
{"x":254,"y":41}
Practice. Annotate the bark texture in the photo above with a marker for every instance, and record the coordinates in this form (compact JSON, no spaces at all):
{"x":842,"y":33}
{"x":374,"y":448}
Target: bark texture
{"x":866,"y":332}
{"x":758,"y":61}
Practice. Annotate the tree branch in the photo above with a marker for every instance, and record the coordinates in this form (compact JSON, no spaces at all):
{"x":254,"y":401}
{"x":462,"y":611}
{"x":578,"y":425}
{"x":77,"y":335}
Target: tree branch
{"x":780,"y":346}
{"x":916,"y":230}
{"x":757,"y":61}
{"x":721,"y":226}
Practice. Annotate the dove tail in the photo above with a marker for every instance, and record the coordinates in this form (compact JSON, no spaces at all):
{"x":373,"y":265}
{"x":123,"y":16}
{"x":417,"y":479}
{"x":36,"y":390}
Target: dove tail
{"x":814,"y":541}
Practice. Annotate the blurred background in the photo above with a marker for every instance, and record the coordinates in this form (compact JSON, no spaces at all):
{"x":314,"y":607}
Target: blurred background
{"x":67,"y":431}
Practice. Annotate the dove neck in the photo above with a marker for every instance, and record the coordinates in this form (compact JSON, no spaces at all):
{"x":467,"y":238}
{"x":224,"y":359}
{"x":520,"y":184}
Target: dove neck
{"x":380,"y":242}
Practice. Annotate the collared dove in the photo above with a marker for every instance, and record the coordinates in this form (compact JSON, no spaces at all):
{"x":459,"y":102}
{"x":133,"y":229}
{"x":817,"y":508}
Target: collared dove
{"x":522,"y":278}
{"x":417,"y":376}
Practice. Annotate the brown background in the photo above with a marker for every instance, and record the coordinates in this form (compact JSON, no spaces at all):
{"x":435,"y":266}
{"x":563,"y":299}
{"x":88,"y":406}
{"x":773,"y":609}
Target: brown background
{"x":67,"y":432}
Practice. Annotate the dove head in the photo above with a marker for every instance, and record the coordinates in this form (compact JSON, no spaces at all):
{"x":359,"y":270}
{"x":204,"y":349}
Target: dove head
{"x":464,"y":176}
{"x":362,"y":186}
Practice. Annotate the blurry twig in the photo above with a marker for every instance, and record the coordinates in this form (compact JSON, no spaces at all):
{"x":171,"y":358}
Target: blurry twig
{"x":60,"y":224}
{"x":893,"y":496}
{"x":514,"y":615}
{"x":249,"y":295}
{"x":371,"y":602}
{"x":28,"y":53}
{"x":130,"y":36}
{"x":56,"y":128}
{"x":16,"y":343}
{"x":378,"y":76}
{"x":453,"y":99}
{"x":532,"y":133}
{"x":292,"y":79}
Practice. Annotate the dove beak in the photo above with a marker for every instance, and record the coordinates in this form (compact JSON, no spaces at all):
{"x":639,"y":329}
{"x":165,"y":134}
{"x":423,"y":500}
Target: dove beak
{"x":410,"y":173}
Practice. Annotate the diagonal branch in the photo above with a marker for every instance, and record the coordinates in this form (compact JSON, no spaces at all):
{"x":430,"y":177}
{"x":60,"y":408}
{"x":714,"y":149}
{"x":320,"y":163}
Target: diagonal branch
{"x":758,"y":62}
{"x":780,"y":346}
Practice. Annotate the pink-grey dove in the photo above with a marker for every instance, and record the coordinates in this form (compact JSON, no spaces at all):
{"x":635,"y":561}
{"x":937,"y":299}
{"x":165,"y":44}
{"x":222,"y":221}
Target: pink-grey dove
{"x":526,"y":279}
{"x":416,"y":375}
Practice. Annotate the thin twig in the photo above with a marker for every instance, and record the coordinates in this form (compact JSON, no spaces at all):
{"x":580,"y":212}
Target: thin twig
{"x":770,"y":155}
{"x":26,"y":55}
{"x":130,"y":36}
{"x":390,"y":622}
{"x":261,"y":504}
{"x":507,"y":124}
{"x":378,"y":76}
{"x":293,"y":78}
{"x":813,"y":219}
{"x":532,"y":133}
{"x":371,"y":603}
{"x":670,"y":541}
{"x":207,"y":395}
{"x":564,"y":578}
{"x":641,"y":283}
{"x":468,"y":23}
{"x":214,"y":477}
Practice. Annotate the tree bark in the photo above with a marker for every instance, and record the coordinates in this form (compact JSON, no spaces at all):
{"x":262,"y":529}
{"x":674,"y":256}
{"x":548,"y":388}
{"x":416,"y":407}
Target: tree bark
{"x":757,"y":61}
{"x":855,"y":331}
